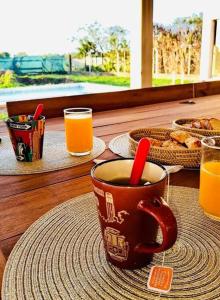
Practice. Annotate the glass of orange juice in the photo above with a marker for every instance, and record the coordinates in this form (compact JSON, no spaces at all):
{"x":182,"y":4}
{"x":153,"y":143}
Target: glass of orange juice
{"x":79,"y":130}
{"x":209,"y":195}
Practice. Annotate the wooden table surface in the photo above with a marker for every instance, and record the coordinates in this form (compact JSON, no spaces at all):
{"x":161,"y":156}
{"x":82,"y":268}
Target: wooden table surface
{"x":23,"y":199}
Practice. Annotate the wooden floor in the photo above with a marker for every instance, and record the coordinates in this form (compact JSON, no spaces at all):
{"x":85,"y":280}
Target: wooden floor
{"x":23,"y":199}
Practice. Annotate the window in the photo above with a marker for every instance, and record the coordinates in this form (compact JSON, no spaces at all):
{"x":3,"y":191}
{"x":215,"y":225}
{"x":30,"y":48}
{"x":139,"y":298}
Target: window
{"x":52,"y":48}
{"x":177,"y":41}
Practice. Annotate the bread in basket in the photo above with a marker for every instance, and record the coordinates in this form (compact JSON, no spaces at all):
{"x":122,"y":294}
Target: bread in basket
{"x":206,"y":127}
{"x":186,"y":157}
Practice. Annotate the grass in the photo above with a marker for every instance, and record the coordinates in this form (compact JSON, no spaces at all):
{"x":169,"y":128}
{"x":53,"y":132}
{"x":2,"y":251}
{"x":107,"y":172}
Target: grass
{"x":3,"y":116}
{"x":121,"y":81}
{"x":167,"y":81}
{"x":58,"y":78}
{"x":110,"y":80}
{"x":91,"y":78}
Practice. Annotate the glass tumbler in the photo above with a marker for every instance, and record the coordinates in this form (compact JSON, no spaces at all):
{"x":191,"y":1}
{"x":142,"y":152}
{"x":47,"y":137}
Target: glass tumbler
{"x":79,"y":130}
{"x":209,"y":195}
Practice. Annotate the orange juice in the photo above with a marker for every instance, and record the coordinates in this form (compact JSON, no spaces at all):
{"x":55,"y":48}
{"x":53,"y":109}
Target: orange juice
{"x":210,"y":188}
{"x":79,"y":133}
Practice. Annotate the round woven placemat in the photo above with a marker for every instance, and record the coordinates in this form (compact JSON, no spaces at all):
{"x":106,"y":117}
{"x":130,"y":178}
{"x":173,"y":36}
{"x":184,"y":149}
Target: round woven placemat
{"x":61,"y":256}
{"x":120,"y":145}
{"x":54,"y":158}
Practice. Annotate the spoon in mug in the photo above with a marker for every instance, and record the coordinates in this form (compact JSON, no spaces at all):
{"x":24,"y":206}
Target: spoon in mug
{"x":38,"y":111}
{"x":139,"y":161}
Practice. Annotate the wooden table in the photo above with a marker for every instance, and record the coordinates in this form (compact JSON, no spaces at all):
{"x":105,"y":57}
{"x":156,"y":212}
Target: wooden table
{"x":23,"y":199}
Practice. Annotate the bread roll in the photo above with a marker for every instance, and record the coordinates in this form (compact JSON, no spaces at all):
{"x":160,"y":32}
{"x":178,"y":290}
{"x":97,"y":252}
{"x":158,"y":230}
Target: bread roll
{"x":196,"y":124}
{"x":205,"y":124}
{"x":180,"y":136}
{"x":215,"y":124}
{"x":155,"y":142}
{"x":193,"y":143}
{"x":172,"y":145}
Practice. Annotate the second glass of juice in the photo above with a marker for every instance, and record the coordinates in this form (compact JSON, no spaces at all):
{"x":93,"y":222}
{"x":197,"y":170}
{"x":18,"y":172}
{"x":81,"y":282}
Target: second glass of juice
{"x":209,"y":195}
{"x":79,"y":130}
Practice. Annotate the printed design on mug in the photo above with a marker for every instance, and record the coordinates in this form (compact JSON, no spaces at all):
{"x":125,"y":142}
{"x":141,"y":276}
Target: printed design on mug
{"x":99,"y":191}
{"x":96,"y":201}
{"x":116,"y":244}
{"x":110,"y":210}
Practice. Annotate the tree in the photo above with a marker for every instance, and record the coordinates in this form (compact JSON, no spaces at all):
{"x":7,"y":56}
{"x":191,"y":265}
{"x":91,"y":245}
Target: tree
{"x":189,"y":32}
{"x":86,"y":48}
{"x":95,"y":35}
{"x":177,"y":47}
{"x":117,"y":40}
{"x":4,"y":55}
{"x":125,"y":48}
{"x":108,"y":43}
{"x":21,"y":54}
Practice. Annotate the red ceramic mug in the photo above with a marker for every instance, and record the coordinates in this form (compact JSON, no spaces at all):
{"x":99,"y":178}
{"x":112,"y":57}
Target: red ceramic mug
{"x":130,"y":216}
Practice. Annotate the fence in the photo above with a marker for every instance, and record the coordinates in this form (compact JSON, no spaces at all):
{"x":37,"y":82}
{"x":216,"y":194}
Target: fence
{"x":35,"y":64}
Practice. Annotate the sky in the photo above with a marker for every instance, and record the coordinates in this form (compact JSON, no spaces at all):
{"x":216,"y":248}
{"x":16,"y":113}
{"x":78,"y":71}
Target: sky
{"x":47,"y":26}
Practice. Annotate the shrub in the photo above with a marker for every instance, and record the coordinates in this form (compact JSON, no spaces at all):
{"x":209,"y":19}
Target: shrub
{"x":42,"y":79}
{"x":7,"y":79}
{"x":97,"y":69}
{"x":3,"y":116}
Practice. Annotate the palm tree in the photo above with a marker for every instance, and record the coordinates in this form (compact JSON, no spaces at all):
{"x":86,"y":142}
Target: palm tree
{"x":117,"y":38}
{"x":86,"y":48}
{"x":96,"y":34}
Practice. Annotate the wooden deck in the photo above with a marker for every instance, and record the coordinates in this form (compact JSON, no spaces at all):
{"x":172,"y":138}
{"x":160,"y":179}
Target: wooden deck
{"x":23,"y":199}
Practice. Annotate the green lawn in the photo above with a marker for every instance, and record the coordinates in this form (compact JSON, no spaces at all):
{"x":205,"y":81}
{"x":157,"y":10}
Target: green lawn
{"x":167,"y":81}
{"x":120,"y":81}
{"x":92,"y":78}
{"x":110,"y":80}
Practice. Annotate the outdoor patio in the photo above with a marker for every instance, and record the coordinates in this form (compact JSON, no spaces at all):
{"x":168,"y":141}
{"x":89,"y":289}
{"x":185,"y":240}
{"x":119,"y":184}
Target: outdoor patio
{"x":101,"y":191}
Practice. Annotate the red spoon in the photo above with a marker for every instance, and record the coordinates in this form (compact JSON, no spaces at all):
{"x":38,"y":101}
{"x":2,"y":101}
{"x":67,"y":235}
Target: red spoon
{"x":38,"y":111}
{"x":139,"y":161}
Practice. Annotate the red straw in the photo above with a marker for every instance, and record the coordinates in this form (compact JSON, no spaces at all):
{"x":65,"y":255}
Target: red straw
{"x":139,"y":161}
{"x":38,"y":111}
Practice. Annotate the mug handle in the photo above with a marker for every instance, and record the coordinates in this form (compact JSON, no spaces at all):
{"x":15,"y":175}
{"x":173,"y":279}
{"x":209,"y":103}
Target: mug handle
{"x":161,"y":212}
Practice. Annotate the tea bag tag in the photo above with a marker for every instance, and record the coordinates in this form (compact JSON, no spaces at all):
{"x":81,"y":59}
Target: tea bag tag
{"x":160,"y":279}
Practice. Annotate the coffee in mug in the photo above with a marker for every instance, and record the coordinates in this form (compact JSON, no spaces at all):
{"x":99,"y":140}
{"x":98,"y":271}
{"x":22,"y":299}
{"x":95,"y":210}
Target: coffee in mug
{"x":131,"y":215}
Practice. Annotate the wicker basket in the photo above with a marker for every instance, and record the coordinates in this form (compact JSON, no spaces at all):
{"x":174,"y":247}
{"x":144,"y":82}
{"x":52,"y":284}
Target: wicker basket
{"x":179,"y":124}
{"x":189,"y":158}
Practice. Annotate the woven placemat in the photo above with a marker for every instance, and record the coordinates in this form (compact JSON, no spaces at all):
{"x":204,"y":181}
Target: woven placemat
{"x":54,"y":158}
{"x":61,"y":256}
{"x":120,"y":146}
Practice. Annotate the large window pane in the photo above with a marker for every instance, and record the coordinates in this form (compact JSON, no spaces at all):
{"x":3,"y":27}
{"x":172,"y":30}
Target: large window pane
{"x":63,"y":47}
{"x":177,"y":41}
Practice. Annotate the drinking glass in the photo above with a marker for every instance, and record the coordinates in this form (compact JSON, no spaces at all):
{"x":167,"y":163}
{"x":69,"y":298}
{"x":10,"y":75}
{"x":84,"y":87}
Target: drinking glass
{"x":79,"y":130}
{"x":209,"y":197}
